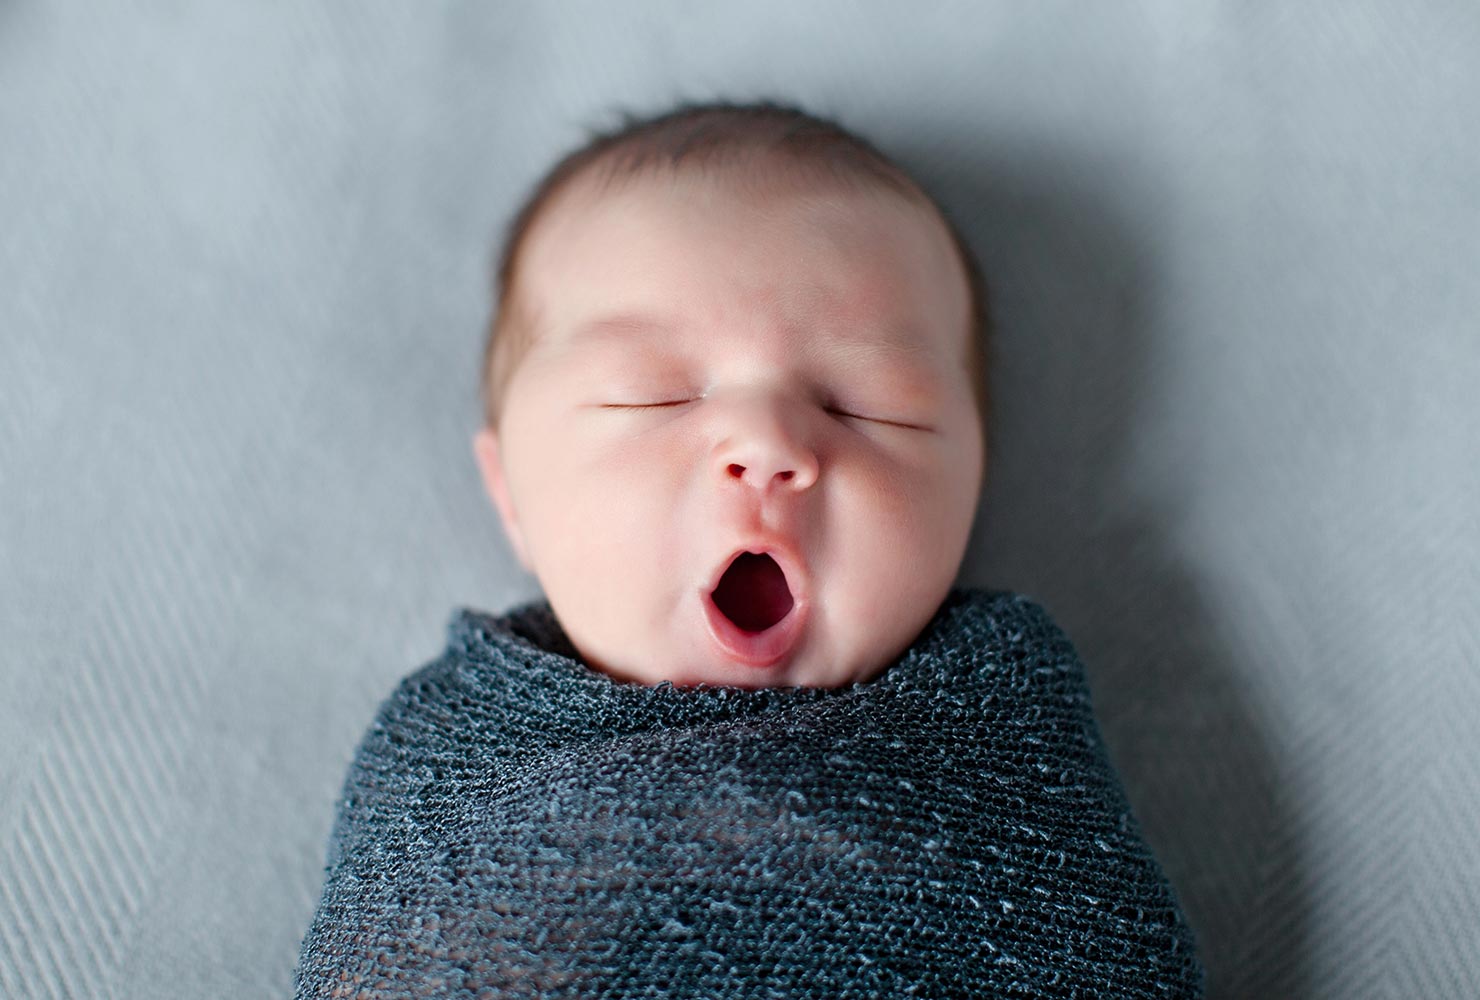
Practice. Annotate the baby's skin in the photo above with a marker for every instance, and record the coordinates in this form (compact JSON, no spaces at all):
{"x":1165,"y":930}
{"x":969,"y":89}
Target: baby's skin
{"x":736,"y":362}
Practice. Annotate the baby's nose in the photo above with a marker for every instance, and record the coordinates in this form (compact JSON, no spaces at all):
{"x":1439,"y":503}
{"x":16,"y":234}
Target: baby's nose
{"x":760,"y":473}
{"x":764,"y":442}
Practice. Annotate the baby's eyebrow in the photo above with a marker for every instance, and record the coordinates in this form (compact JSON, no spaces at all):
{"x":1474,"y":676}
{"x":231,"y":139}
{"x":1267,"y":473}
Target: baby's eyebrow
{"x":890,"y":351}
{"x":893,"y":346}
{"x":624,"y":324}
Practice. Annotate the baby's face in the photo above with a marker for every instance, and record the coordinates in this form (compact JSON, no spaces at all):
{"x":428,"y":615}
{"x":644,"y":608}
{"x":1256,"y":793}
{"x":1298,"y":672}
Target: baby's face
{"x":720,"y":371}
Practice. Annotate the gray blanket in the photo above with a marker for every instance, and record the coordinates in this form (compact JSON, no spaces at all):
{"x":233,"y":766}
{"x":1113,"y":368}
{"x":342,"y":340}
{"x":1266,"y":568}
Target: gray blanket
{"x":515,"y":824}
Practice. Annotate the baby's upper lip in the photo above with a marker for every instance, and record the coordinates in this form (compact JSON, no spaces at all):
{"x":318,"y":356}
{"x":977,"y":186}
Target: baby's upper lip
{"x":778,"y":547}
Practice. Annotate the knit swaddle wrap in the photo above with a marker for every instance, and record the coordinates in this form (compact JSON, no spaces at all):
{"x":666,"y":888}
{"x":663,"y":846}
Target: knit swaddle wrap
{"x":516,"y":824}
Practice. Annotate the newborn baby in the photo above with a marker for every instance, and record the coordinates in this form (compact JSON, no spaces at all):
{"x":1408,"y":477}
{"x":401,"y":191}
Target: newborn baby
{"x":736,"y":415}
{"x":753,"y":741}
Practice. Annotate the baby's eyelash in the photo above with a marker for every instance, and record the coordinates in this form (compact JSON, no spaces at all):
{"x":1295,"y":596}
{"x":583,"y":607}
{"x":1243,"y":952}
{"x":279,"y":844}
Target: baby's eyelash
{"x":877,"y":420}
{"x":643,"y":406}
{"x":833,"y":410}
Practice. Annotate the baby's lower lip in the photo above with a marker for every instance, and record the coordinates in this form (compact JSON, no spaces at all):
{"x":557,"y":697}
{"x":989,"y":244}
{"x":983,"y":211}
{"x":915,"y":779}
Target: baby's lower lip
{"x":756,"y":649}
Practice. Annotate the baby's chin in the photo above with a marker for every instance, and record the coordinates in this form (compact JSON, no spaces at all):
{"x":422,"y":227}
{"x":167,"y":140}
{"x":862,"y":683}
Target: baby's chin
{"x":688,"y":675}
{"x":800,"y":671}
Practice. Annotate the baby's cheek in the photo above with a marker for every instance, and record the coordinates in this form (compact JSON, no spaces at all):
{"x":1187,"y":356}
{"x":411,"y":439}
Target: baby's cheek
{"x":893,"y":500}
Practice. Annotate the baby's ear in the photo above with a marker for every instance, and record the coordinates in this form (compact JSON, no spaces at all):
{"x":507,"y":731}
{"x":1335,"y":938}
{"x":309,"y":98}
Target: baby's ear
{"x":491,"y":466}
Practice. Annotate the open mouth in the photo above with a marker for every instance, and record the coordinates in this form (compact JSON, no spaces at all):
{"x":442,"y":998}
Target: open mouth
{"x":757,"y":615}
{"x":753,"y":592}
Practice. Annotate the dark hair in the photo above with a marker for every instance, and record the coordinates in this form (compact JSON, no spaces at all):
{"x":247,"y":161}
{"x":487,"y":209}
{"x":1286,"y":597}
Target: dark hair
{"x":695,"y":136}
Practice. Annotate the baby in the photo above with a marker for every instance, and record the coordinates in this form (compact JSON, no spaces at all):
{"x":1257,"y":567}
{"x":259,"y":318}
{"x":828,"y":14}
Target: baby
{"x":735,"y":400}
{"x":752,"y":741}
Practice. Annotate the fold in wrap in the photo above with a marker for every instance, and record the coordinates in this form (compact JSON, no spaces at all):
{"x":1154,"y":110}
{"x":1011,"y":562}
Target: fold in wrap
{"x":516,"y":824}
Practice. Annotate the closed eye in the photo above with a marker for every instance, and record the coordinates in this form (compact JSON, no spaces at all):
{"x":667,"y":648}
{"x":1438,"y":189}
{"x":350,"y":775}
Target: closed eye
{"x":643,"y":406}
{"x":832,"y":410}
{"x":878,"y":420}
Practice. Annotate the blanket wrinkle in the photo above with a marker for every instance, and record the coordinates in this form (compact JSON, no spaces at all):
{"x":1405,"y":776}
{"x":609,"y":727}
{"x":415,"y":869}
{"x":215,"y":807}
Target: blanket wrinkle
{"x":515,"y":824}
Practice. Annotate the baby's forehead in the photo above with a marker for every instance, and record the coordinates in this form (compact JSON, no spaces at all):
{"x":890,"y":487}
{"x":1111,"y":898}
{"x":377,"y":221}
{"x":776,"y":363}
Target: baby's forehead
{"x":814,"y":234}
{"x":730,"y":250}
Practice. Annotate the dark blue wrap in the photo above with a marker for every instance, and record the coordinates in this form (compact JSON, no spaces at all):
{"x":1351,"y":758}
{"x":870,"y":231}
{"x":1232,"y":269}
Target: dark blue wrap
{"x":515,"y":824}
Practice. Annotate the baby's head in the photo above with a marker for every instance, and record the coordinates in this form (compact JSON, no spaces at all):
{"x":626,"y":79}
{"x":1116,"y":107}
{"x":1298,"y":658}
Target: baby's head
{"x":735,"y":400}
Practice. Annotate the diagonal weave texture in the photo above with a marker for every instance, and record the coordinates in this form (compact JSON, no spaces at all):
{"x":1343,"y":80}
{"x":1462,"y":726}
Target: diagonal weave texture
{"x":517,"y":825}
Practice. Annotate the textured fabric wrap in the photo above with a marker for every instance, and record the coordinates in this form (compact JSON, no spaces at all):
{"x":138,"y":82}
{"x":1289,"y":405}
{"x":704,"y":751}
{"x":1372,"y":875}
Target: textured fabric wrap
{"x":516,"y":824}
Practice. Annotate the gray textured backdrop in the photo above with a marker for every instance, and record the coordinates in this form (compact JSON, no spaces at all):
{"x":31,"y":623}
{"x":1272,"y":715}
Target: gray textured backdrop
{"x":243,"y":259}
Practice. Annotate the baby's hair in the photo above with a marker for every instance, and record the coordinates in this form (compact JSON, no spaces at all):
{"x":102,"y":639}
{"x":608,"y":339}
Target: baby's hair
{"x":697,"y":136}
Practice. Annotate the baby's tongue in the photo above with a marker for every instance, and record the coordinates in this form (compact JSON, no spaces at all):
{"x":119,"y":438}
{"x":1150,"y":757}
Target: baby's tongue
{"x":753,"y":592}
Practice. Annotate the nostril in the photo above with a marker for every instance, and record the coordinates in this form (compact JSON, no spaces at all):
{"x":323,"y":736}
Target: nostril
{"x":738,"y":471}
